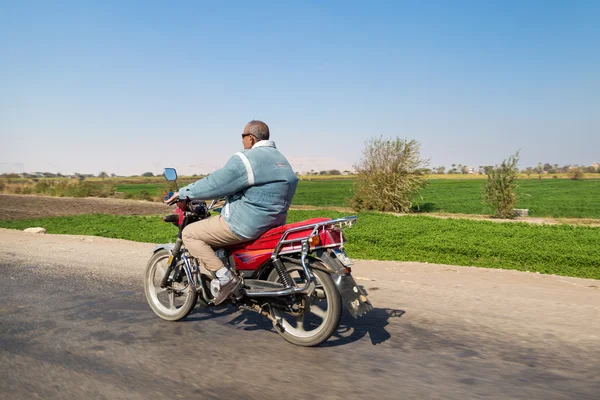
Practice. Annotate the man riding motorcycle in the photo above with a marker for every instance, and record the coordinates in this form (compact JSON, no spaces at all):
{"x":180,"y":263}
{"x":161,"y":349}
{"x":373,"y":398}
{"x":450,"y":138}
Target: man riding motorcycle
{"x":259,"y":184}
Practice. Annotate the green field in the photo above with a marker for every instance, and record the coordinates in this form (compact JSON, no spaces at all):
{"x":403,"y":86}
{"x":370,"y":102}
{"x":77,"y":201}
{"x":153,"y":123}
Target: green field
{"x":545,"y":198}
{"x":154,"y":189}
{"x":315,"y":193}
{"x":554,"y":249}
{"x":324,"y":192}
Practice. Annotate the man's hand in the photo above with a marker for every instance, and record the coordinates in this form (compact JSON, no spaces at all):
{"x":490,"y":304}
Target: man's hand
{"x":172,"y":198}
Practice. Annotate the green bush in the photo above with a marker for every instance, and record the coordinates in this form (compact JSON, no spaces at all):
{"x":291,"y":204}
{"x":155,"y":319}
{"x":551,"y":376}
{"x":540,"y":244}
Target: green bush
{"x":499,"y":190}
{"x":42,"y":187}
{"x":389,"y":175}
{"x":61,"y":188}
{"x":81,"y":189}
{"x":144,"y":195}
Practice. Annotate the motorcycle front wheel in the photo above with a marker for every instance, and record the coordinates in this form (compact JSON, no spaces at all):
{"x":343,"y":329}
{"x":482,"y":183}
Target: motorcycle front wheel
{"x":173,"y":302}
{"x":322,"y":315}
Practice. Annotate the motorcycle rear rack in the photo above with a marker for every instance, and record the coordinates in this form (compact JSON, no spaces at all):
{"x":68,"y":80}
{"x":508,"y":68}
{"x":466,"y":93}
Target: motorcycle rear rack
{"x":341,"y":223}
{"x":309,"y":287}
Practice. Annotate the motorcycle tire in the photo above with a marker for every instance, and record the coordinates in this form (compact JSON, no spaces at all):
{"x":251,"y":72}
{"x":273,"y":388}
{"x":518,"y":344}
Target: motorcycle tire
{"x":330,"y":317}
{"x":155,"y":270}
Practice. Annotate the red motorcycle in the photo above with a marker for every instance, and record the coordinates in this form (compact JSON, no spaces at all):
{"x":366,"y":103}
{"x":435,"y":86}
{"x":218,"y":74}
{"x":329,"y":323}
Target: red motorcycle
{"x":296,"y":275}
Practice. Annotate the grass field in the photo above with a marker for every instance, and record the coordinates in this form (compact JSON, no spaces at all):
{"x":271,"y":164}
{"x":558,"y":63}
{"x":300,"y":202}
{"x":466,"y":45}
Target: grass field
{"x":324,"y":192}
{"x":154,"y":189}
{"x":554,"y":249}
{"x":545,"y":198}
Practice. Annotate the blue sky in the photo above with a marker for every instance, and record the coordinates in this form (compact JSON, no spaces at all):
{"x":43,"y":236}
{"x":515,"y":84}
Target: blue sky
{"x":133,"y":86}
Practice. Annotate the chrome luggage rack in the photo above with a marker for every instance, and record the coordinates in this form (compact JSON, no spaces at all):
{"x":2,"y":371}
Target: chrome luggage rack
{"x":309,"y":287}
{"x":341,"y":223}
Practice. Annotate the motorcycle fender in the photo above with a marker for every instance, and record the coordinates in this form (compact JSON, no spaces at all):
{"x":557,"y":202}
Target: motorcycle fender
{"x":353,"y":295}
{"x":167,"y":246}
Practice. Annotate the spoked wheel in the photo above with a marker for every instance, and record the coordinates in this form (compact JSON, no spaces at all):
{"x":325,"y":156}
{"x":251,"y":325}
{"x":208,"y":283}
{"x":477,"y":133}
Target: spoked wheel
{"x":319,"y":315}
{"x":174,"y":302}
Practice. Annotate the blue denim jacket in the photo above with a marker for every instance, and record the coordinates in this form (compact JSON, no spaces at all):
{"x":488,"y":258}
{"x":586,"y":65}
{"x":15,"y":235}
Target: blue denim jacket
{"x":259,"y":184}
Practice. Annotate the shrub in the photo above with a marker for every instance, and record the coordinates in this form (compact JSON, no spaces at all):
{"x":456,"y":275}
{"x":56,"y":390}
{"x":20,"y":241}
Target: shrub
{"x":389,"y":175}
{"x":61,"y":189}
{"x":42,"y":187}
{"x":107,"y":191}
{"x":82,"y":189}
{"x":499,"y":190}
{"x":144,"y":195}
{"x":576,"y":173}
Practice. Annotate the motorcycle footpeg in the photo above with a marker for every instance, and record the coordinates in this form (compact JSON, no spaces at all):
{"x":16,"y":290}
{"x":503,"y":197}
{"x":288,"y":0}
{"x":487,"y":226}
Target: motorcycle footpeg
{"x":237,"y":295}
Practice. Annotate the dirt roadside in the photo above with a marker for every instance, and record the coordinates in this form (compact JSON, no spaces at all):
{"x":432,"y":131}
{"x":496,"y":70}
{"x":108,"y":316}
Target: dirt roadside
{"x":23,"y":206}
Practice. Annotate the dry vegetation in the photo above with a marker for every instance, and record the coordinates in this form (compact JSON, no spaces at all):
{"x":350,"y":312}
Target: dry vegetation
{"x":390,"y":173}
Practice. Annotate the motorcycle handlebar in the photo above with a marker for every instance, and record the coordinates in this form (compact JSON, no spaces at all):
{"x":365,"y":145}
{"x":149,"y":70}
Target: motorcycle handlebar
{"x":212,"y":204}
{"x":170,"y":203}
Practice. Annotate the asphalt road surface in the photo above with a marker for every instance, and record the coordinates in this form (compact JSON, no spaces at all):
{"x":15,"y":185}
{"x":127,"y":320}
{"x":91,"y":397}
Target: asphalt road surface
{"x":74,"y":323}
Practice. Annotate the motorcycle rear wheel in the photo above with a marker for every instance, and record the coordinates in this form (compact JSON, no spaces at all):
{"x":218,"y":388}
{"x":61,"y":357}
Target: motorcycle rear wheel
{"x":171,"y":303}
{"x":323,"y":314}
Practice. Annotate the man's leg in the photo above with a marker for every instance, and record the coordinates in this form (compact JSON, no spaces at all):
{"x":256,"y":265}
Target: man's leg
{"x":200,"y":238}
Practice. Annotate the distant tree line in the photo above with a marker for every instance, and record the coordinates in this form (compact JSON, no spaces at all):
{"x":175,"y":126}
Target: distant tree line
{"x":541,"y":168}
{"x":548,"y":168}
{"x":325,"y":172}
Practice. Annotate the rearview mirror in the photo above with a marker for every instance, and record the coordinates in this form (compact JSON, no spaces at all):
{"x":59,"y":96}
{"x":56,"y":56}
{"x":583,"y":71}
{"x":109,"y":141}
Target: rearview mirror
{"x":170,"y":174}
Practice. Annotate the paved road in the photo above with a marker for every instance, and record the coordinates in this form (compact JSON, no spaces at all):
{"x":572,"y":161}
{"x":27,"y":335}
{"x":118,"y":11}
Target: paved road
{"x":74,"y":323}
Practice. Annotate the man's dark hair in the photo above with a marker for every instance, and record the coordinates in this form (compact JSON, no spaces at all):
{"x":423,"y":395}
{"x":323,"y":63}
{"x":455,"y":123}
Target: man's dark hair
{"x":259,"y":129}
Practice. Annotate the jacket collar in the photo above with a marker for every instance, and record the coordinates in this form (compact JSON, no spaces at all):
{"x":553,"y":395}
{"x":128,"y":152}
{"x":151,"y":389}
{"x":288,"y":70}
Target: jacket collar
{"x":264,"y":143}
